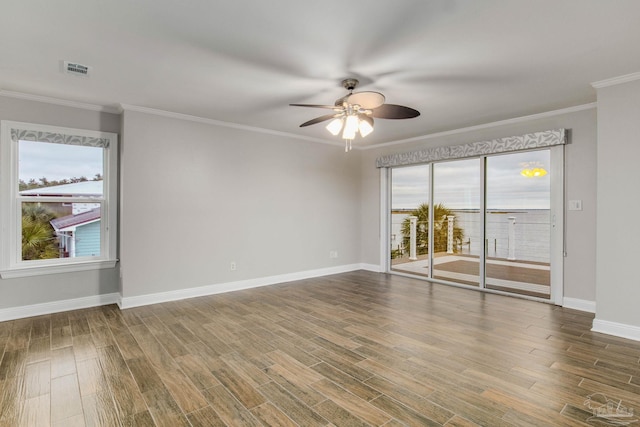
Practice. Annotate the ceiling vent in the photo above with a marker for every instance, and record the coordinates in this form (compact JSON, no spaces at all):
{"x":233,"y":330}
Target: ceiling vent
{"x":76,"y":69}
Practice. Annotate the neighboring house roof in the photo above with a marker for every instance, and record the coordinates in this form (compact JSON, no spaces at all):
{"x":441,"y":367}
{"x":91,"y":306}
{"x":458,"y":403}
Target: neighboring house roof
{"x":84,"y":188}
{"x":75,"y":220}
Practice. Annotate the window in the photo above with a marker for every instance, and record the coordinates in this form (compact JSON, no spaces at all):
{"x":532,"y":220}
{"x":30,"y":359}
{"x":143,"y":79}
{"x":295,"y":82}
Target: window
{"x":58,"y":193}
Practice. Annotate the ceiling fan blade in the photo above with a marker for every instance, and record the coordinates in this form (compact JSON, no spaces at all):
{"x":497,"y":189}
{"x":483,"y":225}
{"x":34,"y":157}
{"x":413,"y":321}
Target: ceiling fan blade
{"x":392,"y":111}
{"x":366,"y":100}
{"x":333,"y":107}
{"x":319,"y":120}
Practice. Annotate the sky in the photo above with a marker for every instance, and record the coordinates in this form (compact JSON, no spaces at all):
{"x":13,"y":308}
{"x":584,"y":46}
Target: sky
{"x":457,"y":183}
{"x":57,"y":161}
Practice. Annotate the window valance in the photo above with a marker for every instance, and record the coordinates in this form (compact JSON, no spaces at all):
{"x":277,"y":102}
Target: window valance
{"x":528,"y":141}
{"x":58,"y":138}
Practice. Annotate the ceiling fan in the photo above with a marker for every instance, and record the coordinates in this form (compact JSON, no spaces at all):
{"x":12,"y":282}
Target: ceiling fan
{"x":355,"y":112}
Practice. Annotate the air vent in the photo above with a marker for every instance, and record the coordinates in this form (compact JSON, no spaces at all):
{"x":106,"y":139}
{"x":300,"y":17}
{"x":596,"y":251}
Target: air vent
{"x":76,"y":69}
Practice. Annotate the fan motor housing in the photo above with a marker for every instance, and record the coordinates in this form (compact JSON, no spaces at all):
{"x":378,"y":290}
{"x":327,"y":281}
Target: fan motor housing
{"x":350,"y":84}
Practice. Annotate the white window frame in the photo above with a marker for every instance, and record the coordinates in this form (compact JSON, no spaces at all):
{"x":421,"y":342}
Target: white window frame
{"x":11,"y":263}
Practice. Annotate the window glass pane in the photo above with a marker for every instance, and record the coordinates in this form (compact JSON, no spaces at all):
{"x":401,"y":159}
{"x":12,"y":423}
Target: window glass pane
{"x":45,"y":164}
{"x":457,"y":221}
{"x":60,"y":230}
{"x":409,"y":209}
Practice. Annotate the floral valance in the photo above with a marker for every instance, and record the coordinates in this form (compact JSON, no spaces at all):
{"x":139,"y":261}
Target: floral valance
{"x":58,"y":138}
{"x":528,"y":141}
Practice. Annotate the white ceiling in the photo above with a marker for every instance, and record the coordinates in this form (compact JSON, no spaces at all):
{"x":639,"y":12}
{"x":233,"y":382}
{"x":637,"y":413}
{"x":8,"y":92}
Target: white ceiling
{"x":460,"y":63}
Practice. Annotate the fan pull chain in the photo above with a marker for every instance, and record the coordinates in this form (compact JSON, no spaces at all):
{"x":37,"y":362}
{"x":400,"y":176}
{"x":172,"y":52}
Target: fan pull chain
{"x":347,"y":145}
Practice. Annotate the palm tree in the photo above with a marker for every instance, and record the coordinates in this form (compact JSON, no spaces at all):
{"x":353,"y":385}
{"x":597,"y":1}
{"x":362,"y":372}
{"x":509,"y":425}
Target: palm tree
{"x":440,"y":229}
{"x":38,"y":237}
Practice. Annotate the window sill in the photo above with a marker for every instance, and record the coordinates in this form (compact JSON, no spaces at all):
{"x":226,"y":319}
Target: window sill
{"x":56,"y":269}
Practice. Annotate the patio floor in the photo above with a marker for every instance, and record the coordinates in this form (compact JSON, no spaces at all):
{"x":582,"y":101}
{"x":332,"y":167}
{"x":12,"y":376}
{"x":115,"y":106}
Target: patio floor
{"x":521,"y":277}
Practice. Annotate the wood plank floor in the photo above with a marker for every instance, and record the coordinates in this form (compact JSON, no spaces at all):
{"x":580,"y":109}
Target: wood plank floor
{"x":355,"y":349}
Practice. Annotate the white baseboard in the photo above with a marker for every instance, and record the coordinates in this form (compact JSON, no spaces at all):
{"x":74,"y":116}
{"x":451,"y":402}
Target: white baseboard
{"x":21,"y":312}
{"x":371,"y":267}
{"x":57,"y":306}
{"x":617,"y":329}
{"x":218,"y":288}
{"x":579,"y":304}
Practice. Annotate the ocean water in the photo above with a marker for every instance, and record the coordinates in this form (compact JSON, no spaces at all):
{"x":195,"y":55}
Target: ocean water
{"x":532,"y":232}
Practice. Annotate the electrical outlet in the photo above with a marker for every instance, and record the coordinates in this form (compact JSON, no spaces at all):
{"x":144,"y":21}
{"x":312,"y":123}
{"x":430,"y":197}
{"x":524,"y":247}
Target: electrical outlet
{"x":233,"y":266}
{"x":333,"y":254}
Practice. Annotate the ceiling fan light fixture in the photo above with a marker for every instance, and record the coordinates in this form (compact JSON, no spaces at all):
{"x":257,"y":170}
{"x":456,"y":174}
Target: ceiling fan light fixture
{"x":365,"y":127}
{"x":354,"y":113}
{"x":335,"y":126}
{"x":350,"y":127}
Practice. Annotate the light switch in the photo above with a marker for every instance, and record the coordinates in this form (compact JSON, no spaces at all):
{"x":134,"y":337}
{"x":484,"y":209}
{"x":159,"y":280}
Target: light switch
{"x":575,"y":205}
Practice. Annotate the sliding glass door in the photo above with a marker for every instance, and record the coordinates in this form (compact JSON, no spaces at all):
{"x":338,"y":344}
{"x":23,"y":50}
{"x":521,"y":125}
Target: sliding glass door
{"x":492,"y":222}
{"x":518,"y":223}
{"x":457,"y":220}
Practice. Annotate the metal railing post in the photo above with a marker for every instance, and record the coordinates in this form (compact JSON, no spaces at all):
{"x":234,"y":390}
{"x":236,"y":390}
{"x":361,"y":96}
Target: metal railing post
{"x":512,"y":238}
{"x":413,"y":221}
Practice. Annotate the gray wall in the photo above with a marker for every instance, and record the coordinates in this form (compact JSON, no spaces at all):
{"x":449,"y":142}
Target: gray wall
{"x":580,"y":167}
{"x":617,"y":283}
{"x":56,"y":287}
{"x":197,"y":196}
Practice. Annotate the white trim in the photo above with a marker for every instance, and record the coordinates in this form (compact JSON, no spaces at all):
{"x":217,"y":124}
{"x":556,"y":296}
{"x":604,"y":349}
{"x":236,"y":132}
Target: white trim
{"x":506,"y":122}
{"x":163,"y":113}
{"x":197,"y":119}
{"x":67,"y":267}
{"x":482,"y":258}
{"x":372,"y":267}
{"x":617,"y":329}
{"x":74,"y":227}
{"x":218,"y":288}
{"x":557,"y":234}
{"x":57,"y":306}
{"x":616,"y":80}
{"x":21,"y":312}
{"x":58,"y":101}
{"x":385,"y":226}
{"x":579,"y":304}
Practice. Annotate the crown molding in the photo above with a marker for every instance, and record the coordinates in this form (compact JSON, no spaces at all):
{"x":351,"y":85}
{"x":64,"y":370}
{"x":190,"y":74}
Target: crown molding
{"x":122,"y":107}
{"x":198,"y":119}
{"x":170,"y":114}
{"x":58,"y":101}
{"x":616,"y":80}
{"x":506,"y":122}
